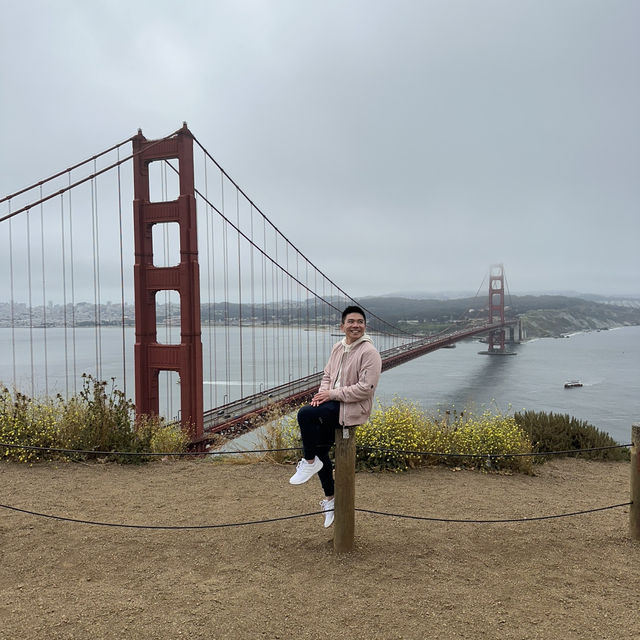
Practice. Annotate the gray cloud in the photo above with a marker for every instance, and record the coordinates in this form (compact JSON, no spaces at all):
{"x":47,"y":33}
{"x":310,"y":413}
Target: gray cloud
{"x":400,"y":146}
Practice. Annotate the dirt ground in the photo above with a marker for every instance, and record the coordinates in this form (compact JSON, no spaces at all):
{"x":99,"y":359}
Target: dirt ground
{"x":574,"y":577}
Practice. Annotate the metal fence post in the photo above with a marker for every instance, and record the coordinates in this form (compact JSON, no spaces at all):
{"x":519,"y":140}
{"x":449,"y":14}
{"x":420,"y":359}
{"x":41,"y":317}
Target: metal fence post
{"x":344,"y":522}
{"x":634,"y":511}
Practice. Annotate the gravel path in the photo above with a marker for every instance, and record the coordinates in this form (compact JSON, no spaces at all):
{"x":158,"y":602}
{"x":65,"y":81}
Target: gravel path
{"x":564,"y":578}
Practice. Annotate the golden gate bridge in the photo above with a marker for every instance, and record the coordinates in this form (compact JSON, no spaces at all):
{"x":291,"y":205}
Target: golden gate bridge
{"x":225,"y":307}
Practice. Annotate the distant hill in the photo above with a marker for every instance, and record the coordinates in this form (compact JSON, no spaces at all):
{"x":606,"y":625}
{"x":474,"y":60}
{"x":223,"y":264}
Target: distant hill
{"x":544,"y":315}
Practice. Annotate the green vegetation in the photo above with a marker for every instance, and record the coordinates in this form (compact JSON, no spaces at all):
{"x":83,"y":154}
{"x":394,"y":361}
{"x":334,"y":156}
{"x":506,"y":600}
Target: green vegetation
{"x":387,"y":440}
{"x":100,"y":418}
{"x":404,"y":426}
{"x":97,"y":418}
{"x":555,"y":432}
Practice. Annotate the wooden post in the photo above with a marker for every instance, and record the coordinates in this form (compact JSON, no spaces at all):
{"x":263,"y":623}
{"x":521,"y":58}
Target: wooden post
{"x":634,"y":511}
{"x":344,"y":523}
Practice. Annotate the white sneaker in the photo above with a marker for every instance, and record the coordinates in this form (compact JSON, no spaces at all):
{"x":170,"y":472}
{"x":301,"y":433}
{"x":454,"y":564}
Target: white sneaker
{"x":328,"y":505}
{"x":305,"y":470}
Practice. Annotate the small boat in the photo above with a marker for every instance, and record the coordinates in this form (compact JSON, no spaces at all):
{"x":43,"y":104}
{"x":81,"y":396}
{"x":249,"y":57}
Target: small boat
{"x":572,"y":384}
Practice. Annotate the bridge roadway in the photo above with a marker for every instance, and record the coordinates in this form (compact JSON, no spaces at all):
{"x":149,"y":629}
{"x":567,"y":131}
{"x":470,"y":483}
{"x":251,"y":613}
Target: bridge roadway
{"x":241,"y":413}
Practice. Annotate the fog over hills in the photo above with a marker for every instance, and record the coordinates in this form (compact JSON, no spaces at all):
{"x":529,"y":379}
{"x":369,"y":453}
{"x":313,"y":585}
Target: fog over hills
{"x":625,"y":300}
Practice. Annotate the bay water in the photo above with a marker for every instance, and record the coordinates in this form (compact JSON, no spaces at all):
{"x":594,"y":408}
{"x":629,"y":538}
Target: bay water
{"x":606,"y":362}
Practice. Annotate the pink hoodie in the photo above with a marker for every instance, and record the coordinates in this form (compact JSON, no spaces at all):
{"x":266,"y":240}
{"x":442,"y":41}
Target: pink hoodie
{"x":359,"y":375}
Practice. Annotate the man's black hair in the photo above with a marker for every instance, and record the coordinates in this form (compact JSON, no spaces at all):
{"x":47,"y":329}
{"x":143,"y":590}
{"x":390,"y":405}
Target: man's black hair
{"x":353,"y":309}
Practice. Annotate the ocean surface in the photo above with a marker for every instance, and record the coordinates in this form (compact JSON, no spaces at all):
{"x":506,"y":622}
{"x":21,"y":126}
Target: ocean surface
{"x":606,"y":362}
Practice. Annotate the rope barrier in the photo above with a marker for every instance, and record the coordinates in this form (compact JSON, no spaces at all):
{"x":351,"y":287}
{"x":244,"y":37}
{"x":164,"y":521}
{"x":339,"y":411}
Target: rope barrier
{"x":146,"y":454}
{"x":491,"y":455}
{"x":496,"y":521}
{"x":8,"y":445}
{"x":291,"y":517}
{"x":156,"y":526}
{"x":121,"y":525}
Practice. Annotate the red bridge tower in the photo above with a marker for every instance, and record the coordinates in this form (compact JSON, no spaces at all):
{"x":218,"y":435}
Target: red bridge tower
{"x":496,"y":307}
{"x":150,"y":356}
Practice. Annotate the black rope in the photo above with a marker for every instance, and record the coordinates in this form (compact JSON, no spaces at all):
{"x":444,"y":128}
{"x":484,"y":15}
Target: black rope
{"x":491,"y":455}
{"x":157,"y":526}
{"x":496,"y":521}
{"x":121,"y":525}
{"x":8,"y":445}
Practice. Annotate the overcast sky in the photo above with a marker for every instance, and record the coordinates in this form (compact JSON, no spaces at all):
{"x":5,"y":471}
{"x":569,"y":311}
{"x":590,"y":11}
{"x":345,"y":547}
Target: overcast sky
{"x":401,"y":146}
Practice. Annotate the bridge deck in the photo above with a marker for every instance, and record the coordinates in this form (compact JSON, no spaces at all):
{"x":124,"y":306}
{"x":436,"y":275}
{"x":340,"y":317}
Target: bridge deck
{"x":243,"y":412}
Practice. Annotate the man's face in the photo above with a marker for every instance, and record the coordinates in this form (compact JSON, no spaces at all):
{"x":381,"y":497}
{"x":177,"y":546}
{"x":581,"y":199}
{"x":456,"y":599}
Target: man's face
{"x":353,"y":327}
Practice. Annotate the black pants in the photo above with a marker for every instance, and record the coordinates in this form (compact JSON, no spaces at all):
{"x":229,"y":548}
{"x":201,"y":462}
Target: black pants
{"x":318,"y":430}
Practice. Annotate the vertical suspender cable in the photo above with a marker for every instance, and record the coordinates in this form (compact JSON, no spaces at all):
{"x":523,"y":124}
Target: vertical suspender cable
{"x":225,"y":254}
{"x":253,"y":306}
{"x":73,"y":294}
{"x":95,"y":284}
{"x":307,"y":324}
{"x":315,"y":316}
{"x":207,"y":215}
{"x":265,"y":374}
{"x":287,"y":303}
{"x":285,"y":331}
{"x":216,"y":359}
{"x":299,"y":293}
{"x":30,"y":300}
{"x":96,"y":300}
{"x":64,"y":298}
{"x":95,"y":168}
{"x":276,"y":298}
{"x":13,"y":324}
{"x":124,"y":337}
{"x":44,"y":299}
{"x":239,"y":294}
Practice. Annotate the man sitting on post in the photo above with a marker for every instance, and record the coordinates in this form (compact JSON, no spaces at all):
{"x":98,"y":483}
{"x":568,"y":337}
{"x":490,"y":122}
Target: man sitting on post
{"x":344,"y":399}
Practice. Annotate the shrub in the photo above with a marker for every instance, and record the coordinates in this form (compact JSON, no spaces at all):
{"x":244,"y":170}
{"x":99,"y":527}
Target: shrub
{"x":164,"y":438}
{"x":28,"y":423}
{"x":108,"y":417}
{"x":491,"y":434}
{"x":403,"y":427}
{"x":97,"y":419}
{"x":279,"y":430}
{"x":556,"y":432}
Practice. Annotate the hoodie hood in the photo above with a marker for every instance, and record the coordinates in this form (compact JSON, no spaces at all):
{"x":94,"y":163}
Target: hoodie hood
{"x":348,"y":347}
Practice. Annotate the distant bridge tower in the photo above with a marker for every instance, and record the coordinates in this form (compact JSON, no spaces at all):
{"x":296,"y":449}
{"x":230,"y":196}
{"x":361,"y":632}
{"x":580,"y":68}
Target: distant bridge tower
{"x":496,"y":307}
{"x":150,"y":356}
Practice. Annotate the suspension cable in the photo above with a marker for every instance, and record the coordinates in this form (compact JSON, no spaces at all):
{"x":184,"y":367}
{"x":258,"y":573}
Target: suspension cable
{"x":61,"y":173}
{"x":289,"y":243}
{"x":82,"y":180}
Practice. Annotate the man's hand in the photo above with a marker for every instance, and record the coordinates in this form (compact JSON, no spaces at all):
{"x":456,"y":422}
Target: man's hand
{"x":319,"y":398}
